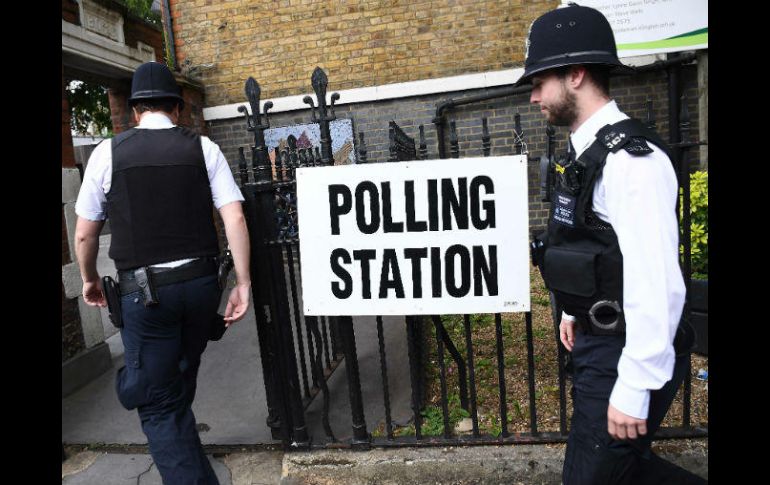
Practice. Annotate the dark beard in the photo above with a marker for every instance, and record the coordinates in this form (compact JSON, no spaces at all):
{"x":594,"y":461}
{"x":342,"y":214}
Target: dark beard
{"x":565,"y":112}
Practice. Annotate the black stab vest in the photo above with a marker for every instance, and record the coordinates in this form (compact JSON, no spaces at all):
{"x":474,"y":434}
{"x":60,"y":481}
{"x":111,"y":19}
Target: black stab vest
{"x":159,"y":204}
{"x":581,"y":262}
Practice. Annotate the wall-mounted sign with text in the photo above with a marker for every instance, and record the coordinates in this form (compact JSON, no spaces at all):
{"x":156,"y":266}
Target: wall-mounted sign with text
{"x":644,"y":27}
{"x":415,"y":238}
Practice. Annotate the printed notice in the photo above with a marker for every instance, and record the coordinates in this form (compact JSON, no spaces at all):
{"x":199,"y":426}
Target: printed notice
{"x":415,"y":238}
{"x":655,"y":26}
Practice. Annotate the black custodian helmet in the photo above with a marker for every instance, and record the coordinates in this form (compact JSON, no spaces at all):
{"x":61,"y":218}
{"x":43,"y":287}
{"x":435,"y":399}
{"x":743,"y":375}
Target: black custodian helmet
{"x":568,"y":36}
{"x":154,"y":80}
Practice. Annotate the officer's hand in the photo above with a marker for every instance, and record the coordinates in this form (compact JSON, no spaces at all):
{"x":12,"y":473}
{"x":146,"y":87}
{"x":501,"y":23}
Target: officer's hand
{"x":93,"y":294}
{"x":567,"y":333}
{"x":621,"y":426}
{"x":237,"y":303}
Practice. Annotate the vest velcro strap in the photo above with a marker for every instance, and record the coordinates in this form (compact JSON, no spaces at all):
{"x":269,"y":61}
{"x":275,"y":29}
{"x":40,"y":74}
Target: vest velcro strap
{"x":167,"y":276}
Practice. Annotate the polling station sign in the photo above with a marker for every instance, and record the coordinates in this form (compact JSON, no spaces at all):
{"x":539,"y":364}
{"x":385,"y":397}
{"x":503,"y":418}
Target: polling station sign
{"x":412,"y":238}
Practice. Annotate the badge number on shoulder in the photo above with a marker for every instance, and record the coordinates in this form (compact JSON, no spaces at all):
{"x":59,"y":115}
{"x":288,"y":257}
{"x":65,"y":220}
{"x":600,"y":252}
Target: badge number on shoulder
{"x":564,"y":209}
{"x":613,"y":139}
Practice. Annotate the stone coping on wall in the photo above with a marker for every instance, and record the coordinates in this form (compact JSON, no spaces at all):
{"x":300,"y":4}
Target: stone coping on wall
{"x":397,"y":90}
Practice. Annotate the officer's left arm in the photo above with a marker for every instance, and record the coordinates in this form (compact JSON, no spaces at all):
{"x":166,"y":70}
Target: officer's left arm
{"x":227,"y":199}
{"x":640,"y":195}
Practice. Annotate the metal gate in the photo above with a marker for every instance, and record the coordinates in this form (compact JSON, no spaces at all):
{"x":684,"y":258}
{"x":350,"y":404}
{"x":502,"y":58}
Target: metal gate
{"x":299,"y":353}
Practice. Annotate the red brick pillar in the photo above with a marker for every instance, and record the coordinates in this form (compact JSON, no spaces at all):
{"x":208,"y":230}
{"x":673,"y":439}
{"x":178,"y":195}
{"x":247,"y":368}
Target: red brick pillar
{"x":122,"y":118}
{"x":67,"y":151}
{"x":192,"y":115}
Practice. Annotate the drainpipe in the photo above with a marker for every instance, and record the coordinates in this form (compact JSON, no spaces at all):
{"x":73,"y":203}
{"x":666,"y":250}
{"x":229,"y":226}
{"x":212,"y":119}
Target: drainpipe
{"x":169,"y":34}
{"x":443,"y":106}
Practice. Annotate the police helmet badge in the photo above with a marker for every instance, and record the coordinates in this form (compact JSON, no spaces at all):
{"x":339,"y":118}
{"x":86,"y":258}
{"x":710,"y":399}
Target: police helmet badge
{"x":528,"y":42}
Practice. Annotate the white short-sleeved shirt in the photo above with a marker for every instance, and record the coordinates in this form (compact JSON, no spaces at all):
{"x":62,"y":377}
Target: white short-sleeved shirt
{"x":97,"y":178}
{"x":637,"y":196}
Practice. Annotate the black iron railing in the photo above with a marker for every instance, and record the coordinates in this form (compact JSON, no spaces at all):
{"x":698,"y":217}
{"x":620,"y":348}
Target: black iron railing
{"x":300,"y":353}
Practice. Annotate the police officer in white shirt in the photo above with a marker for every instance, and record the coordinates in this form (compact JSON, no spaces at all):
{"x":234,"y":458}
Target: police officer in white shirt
{"x":159,"y":183}
{"x":609,"y":256}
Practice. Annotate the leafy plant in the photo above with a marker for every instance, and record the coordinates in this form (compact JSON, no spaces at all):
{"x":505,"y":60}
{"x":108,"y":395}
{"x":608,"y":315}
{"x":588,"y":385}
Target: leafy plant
{"x":699,"y":232}
{"x":90,"y":108}
{"x":433,"y":424}
{"x":142,"y":9}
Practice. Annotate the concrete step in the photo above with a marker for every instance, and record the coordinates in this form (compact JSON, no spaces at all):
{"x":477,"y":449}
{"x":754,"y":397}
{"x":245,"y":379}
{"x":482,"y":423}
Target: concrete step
{"x":488,"y":465}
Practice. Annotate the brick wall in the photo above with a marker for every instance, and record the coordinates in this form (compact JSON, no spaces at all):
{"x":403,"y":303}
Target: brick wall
{"x":358,"y":43}
{"x":70,"y":12}
{"x":120,"y":115}
{"x":372,"y":118}
{"x":136,"y":30}
{"x":192,"y":115}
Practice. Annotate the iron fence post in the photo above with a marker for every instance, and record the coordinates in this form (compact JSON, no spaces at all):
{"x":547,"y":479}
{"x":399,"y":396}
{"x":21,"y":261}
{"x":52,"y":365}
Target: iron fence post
{"x":322,"y":114}
{"x":361,"y":438}
{"x":263,"y":232}
{"x":254,"y":196}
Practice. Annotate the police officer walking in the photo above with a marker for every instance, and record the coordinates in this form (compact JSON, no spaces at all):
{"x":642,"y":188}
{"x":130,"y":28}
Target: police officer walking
{"x":159,"y":184}
{"x":609,"y":256}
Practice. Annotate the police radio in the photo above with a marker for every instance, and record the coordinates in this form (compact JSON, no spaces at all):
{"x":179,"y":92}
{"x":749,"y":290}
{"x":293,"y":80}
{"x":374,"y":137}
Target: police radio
{"x":546,"y":178}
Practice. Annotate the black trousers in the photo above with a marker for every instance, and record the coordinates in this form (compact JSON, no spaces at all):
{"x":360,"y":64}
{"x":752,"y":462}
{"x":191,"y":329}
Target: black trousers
{"x":163,"y":346}
{"x":593,"y":457}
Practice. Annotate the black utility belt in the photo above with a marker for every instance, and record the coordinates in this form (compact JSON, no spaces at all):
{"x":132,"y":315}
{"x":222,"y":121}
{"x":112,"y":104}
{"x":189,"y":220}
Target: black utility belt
{"x":604,"y":318}
{"x":136,"y":279}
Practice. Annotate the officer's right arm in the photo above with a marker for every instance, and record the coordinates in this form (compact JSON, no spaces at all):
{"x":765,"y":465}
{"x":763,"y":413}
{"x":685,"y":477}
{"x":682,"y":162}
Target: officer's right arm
{"x":86,"y":249}
{"x":91,"y":215}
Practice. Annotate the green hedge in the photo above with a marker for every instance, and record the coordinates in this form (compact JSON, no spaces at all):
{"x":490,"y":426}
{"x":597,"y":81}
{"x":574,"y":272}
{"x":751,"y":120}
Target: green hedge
{"x":699,"y":224}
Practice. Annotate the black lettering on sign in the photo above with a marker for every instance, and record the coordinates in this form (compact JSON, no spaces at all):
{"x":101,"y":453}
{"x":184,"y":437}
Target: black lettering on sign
{"x":457,"y":204}
{"x":435,"y":271}
{"x":387,"y":217}
{"x":487,"y":205}
{"x":433,"y":205}
{"x":341,"y":273}
{"x":412,"y":225}
{"x":390,"y":265}
{"x":337,"y":207}
{"x":451,"y":274}
{"x":365,"y":256}
{"x":374,"y":207}
{"x":486,"y":269}
{"x":416,"y":255}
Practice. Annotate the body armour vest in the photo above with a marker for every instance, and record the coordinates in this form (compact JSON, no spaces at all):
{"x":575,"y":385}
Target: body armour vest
{"x":159,"y":204}
{"x":579,"y":256}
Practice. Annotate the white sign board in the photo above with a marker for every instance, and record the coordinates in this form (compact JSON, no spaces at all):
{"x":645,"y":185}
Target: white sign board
{"x":415,"y":238}
{"x":644,"y":27}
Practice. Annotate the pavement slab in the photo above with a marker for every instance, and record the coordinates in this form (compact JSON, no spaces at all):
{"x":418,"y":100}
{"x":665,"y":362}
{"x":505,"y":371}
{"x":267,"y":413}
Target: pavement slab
{"x":123,"y":469}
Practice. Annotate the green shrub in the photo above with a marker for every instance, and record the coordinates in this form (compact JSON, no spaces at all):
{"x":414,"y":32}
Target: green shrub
{"x":699,"y":224}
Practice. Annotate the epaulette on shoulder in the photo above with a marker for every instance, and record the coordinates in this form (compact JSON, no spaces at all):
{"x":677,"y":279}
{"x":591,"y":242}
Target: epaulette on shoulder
{"x":623,"y":135}
{"x":637,"y":146}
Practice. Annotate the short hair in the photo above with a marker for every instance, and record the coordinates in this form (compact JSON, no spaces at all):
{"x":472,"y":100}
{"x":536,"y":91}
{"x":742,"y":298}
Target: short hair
{"x":166,"y":105}
{"x":599,"y":74}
